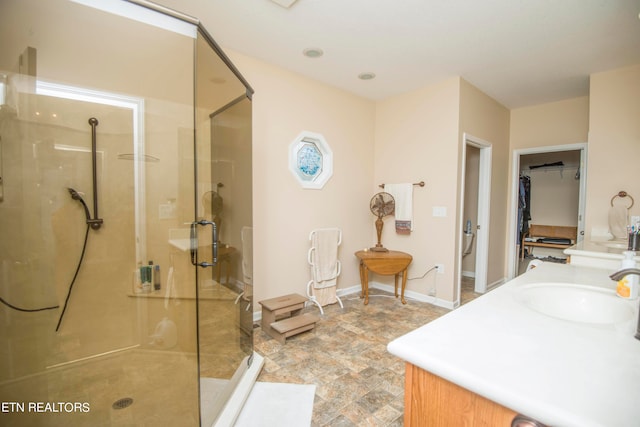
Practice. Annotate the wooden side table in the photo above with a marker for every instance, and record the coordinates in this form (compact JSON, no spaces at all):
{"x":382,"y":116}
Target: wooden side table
{"x":384,"y":263}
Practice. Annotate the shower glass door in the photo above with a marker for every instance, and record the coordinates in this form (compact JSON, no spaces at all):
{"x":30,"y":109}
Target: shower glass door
{"x":105,"y":164}
{"x":224,"y":203}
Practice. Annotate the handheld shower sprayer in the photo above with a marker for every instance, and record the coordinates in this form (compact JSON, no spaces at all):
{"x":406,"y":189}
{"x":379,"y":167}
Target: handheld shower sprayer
{"x":95,"y":222}
{"x":76,"y":196}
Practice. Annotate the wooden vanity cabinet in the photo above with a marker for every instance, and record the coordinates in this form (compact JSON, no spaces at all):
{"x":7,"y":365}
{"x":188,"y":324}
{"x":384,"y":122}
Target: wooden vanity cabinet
{"x":433,"y":401}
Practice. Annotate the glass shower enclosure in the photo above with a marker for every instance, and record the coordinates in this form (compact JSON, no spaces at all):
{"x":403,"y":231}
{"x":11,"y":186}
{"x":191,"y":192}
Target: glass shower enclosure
{"x":125,"y":218}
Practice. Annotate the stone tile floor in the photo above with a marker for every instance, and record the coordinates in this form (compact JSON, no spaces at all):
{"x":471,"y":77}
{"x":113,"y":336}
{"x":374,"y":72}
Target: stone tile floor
{"x":358,"y":383}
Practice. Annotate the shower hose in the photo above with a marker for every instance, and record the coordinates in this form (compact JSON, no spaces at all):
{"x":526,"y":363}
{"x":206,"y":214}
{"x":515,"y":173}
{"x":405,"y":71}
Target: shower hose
{"x":66,"y":301}
{"x":75,"y":275}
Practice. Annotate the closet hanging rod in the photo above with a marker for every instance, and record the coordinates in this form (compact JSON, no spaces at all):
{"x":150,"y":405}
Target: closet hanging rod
{"x":552,"y":168}
{"x":421,"y":184}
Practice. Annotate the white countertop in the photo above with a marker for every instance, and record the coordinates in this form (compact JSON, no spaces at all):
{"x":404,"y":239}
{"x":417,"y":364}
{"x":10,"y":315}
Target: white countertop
{"x":559,"y":372}
{"x":598,"y":253}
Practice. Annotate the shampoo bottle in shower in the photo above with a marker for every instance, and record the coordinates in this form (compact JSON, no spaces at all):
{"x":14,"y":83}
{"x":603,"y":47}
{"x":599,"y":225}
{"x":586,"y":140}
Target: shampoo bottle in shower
{"x":156,"y":277}
{"x":146,"y":273}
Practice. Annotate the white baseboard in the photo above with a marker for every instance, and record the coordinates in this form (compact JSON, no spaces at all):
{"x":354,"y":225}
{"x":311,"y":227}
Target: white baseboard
{"x":350,"y":290}
{"x":496,"y":283}
{"x":356,"y":289}
{"x":469,"y":274}
{"x":415,"y":296}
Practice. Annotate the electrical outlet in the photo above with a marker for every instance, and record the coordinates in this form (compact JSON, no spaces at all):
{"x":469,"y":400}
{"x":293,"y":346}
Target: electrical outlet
{"x":440,"y":268}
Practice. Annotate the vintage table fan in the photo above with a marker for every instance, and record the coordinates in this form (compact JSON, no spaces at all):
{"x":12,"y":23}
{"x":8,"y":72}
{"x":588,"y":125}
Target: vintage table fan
{"x":381,"y":205}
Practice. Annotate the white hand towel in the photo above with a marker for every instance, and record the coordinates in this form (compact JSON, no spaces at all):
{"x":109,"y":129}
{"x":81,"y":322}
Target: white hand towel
{"x":618,"y":221}
{"x":403,"y":195}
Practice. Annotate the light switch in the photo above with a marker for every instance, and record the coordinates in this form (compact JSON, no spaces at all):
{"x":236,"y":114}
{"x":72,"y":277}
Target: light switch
{"x":440,"y":211}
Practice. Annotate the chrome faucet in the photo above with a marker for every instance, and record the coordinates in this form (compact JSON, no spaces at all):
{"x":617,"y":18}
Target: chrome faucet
{"x":618,"y":275}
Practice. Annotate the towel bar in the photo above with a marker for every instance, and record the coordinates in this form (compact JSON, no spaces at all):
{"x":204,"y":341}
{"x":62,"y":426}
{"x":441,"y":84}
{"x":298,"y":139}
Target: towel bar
{"x":421,"y":184}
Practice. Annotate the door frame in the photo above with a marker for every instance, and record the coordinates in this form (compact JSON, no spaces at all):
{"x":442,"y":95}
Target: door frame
{"x":484,"y":215}
{"x":515,"y":173}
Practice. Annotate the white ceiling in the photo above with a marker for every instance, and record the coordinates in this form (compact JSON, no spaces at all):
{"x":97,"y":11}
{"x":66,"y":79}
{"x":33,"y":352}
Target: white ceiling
{"x":520,"y":52}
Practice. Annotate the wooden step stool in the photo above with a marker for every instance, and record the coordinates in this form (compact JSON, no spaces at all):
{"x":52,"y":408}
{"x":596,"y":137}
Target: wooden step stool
{"x":281,"y":317}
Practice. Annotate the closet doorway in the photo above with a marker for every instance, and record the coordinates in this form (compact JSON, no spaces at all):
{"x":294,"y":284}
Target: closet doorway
{"x":548,"y":188}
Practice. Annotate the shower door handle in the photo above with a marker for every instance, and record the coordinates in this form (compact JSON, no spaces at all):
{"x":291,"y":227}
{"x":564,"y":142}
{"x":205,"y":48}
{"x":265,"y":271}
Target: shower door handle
{"x":194,"y":243}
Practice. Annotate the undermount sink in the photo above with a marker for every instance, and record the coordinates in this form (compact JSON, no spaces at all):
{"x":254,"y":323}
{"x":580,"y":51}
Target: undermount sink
{"x":576,"y":303}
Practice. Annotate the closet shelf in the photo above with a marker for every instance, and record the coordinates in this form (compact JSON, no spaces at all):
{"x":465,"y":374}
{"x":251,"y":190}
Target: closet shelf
{"x":561,"y":169}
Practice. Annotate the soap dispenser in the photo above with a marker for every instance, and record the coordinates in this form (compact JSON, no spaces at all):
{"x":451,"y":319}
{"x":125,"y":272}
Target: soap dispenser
{"x":628,"y":285}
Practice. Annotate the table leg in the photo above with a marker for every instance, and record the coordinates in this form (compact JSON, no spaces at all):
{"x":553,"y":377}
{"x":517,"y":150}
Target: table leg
{"x":361,"y":268}
{"x":366,"y":286}
{"x":396,"y":277}
{"x":404,"y":284}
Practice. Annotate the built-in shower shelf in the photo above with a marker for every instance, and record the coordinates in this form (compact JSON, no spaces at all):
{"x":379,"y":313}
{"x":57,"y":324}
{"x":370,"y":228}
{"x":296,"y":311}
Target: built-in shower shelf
{"x":180,"y":238}
{"x":181,"y":244}
{"x":206,"y":294}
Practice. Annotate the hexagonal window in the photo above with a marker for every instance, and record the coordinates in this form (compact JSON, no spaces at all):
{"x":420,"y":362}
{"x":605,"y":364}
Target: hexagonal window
{"x":310,"y":160}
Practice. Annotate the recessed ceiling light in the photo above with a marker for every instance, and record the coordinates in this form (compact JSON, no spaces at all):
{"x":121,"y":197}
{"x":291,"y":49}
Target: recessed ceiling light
{"x":313,"y":52}
{"x":366,"y":76}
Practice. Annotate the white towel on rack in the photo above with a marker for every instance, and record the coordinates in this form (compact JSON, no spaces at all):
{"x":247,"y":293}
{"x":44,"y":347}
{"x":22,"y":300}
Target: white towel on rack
{"x":325,"y":257}
{"x":403,"y":196}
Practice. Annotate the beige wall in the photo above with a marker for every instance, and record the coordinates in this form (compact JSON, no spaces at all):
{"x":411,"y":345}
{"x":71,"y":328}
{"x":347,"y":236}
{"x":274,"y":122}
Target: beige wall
{"x":614,"y":144}
{"x":419,"y":123}
{"x":417,"y":140}
{"x":285,"y":104}
{"x":485,"y":118}
{"x":555,"y":123}
{"x":555,"y":197}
